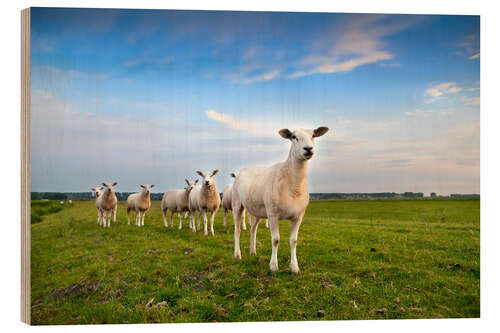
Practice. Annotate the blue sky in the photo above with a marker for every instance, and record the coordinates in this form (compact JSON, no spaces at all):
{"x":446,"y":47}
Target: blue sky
{"x":141,"y":96}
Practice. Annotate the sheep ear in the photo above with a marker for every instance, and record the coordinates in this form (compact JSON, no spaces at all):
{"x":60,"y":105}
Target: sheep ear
{"x":196,"y":182}
{"x":233,"y":175}
{"x":142,"y":186}
{"x":115,"y":183}
{"x":104,"y":184}
{"x":320,"y":131}
{"x":152,"y":185}
{"x":187,"y":181}
{"x":93,"y":189}
{"x":214,"y":172}
{"x":285,"y":133}
{"x":200,"y":173}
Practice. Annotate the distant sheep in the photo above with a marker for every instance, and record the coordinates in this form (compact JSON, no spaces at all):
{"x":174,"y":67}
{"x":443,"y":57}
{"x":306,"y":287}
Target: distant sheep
{"x":177,"y":201}
{"x":227,"y":195}
{"x":205,"y":198}
{"x":107,"y":203}
{"x":70,"y":201}
{"x":277,"y":192}
{"x":140,"y":203}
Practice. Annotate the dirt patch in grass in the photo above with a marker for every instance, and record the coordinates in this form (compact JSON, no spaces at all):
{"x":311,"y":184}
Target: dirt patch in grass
{"x":73,"y":289}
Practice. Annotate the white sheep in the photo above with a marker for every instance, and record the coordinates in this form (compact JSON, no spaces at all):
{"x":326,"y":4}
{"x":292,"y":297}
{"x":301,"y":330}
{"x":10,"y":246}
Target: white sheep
{"x":278,"y":192}
{"x":97,"y":191}
{"x":140,"y":203}
{"x":107,"y":203}
{"x":70,"y":201}
{"x":177,"y":201}
{"x":204,"y":198}
{"x":227,"y":195}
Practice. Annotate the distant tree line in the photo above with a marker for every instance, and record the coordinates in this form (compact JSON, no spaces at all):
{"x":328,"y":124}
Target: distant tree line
{"x":122,"y":196}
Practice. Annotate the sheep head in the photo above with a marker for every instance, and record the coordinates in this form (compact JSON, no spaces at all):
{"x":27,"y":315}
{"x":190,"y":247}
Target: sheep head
{"x":207,"y":177}
{"x":302,"y":141}
{"x":109,"y":187}
{"x":190,"y":185}
{"x":146,"y":189}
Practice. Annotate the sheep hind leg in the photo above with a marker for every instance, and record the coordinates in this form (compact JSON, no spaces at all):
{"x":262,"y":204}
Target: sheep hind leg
{"x":267,"y":223}
{"x":143,"y":217}
{"x":244,"y":224}
{"x":224,"y":218}
{"x":114,"y":215}
{"x":165,"y":223}
{"x":294,"y":266}
{"x":254,"y":224}
{"x":237,"y":216}
{"x":275,"y":239}
{"x":180,"y":220}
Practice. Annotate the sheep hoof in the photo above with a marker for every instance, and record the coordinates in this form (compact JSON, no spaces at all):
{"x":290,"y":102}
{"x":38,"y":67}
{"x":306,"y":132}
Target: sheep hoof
{"x":273,"y":267}
{"x":237,"y":255}
{"x":295,"y":271}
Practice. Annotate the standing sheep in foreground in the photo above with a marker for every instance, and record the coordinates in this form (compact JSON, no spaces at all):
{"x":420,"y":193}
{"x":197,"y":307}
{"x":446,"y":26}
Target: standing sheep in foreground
{"x":278,"y":192}
{"x":205,"y":198}
{"x":106,"y":203}
{"x":227,"y":195}
{"x":140,"y":203}
{"x":97,"y":192}
{"x":177,"y":201}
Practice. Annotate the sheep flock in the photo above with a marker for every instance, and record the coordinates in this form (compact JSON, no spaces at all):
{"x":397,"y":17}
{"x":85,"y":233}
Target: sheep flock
{"x":273,"y":193}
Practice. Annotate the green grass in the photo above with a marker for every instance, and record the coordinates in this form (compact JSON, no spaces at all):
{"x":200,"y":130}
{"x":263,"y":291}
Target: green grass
{"x":39,"y":208}
{"x":359,"y":259}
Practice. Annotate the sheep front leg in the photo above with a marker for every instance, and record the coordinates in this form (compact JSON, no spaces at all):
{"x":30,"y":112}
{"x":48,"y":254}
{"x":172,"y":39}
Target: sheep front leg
{"x":212,"y":217}
{"x":143,"y":217}
{"x":267,"y":223}
{"x":275,"y":239}
{"x":224,"y":218}
{"x":114,"y":214}
{"x":137,"y":218}
{"x":193,"y":220}
{"x":180,"y":220}
{"x":205,"y":223}
{"x":254,"y":224}
{"x":294,"y":266}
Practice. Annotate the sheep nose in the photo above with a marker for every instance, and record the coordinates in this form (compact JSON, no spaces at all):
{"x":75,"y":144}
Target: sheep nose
{"x":207,"y":182}
{"x":308,"y":150}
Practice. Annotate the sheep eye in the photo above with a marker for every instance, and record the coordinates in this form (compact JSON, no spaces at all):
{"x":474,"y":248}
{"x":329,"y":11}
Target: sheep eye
{"x":294,"y":137}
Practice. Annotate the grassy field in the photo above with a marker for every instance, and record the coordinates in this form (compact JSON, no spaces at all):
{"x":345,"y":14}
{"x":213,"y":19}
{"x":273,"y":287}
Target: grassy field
{"x":370,"y":259}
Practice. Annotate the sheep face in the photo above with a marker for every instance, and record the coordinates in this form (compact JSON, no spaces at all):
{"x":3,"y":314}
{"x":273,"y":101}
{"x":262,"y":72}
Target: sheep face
{"x":190,"y":185}
{"x":97,"y":191}
{"x":207,"y":177}
{"x":147,"y":188}
{"x":109,"y":187}
{"x":302,"y":141}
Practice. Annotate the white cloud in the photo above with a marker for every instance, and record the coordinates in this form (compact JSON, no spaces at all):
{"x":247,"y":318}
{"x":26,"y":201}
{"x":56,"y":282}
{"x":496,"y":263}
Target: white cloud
{"x":360,"y":43}
{"x":470,"y":100}
{"x":440,"y":89}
